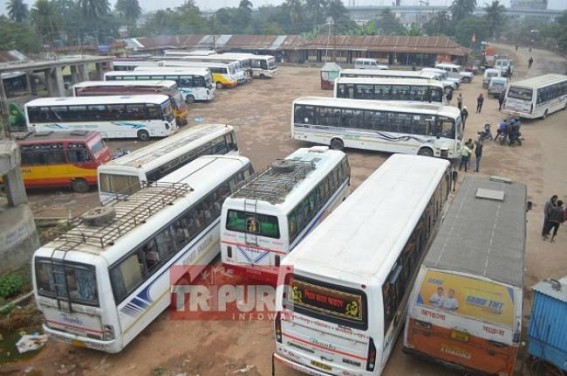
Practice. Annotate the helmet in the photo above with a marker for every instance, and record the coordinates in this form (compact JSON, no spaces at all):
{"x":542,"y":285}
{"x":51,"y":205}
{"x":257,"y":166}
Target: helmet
{"x":465,"y":107}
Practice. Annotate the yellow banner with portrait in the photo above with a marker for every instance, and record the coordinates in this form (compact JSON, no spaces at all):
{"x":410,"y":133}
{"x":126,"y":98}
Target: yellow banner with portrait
{"x":467,"y":296}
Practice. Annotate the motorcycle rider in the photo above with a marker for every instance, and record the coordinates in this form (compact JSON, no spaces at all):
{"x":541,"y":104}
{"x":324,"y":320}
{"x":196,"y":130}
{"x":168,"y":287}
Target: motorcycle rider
{"x":514,"y":131}
{"x":485,"y":134}
{"x":502,"y":130}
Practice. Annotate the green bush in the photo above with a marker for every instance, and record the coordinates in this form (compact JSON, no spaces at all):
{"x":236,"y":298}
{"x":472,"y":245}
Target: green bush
{"x":10,"y":285}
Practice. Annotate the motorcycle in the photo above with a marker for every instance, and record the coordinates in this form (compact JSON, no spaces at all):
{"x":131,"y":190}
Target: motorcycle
{"x":485,"y":134}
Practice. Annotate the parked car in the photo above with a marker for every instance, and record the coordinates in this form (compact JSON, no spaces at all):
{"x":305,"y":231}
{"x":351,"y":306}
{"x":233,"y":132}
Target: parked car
{"x":496,"y":86}
{"x":455,"y":71}
{"x":505,"y":66}
{"x":488,"y":74}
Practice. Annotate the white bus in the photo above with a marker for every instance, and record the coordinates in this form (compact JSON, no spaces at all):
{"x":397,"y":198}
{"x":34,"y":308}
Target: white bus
{"x":465,"y":310}
{"x":131,"y":64}
{"x":265,"y":219}
{"x":195,"y":84}
{"x":262,"y":66}
{"x":390,"y":73}
{"x":224,"y":74}
{"x":387,"y":126}
{"x":536,"y":97}
{"x":101,"y":283}
{"x":167,"y":87}
{"x":346,"y":286}
{"x":241,"y":64}
{"x":390,"y":89}
{"x":125,"y":175}
{"x":113,"y":116}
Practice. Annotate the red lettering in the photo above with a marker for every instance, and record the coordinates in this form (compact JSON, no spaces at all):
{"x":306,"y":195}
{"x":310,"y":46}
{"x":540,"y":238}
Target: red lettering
{"x":309,"y":294}
{"x":336,"y":302}
{"x":433,"y":315}
{"x":491,"y":330}
{"x":321,"y":298}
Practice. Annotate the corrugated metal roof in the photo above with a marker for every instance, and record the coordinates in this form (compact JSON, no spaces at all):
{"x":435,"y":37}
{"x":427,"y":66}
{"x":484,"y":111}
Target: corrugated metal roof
{"x":377,"y":43}
{"x":483,"y":237}
{"x":554,"y":288}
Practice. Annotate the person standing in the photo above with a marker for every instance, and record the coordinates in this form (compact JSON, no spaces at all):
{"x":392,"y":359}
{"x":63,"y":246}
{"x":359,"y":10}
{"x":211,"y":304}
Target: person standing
{"x":556,"y":218}
{"x":460,"y":101}
{"x":449,"y":96}
{"x":464,"y":116}
{"x":479,"y":102}
{"x":530,"y":62}
{"x":501,"y":100}
{"x":465,"y":157}
{"x":478,"y":154}
{"x":549,"y":205}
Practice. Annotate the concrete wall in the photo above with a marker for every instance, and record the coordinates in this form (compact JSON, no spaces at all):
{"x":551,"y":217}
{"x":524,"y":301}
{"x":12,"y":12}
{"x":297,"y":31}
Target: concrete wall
{"x":18,"y":237}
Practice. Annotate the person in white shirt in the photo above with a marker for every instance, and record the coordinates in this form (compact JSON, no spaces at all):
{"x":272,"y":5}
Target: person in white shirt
{"x":436,"y":300}
{"x":450,"y":302}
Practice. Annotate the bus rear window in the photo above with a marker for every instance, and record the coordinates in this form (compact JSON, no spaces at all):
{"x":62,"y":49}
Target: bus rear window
{"x":524,"y":94}
{"x":253,"y":223}
{"x":338,"y":304}
{"x":67,"y":281}
{"x":123,"y":184}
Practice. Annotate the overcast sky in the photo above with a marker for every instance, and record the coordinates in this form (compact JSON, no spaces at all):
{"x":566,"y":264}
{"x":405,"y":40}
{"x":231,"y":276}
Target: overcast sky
{"x":152,"y":5}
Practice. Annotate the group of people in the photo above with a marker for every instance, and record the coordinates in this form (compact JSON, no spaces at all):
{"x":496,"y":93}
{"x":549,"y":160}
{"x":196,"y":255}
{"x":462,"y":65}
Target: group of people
{"x":509,"y":129}
{"x":554,"y":215}
{"x":439,"y":300}
{"x":466,"y":152}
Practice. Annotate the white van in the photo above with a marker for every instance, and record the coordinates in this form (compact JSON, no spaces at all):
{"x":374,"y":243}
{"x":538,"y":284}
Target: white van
{"x":502,"y":65}
{"x":455,"y":71}
{"x":363,"y":63}
{"x":488,"y":74}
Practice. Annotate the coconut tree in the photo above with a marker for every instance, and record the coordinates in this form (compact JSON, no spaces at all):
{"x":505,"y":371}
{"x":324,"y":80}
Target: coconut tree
{"x":46,"y":20}
{"x":129,"y":10}
{"x":17,"y":10}
{"x":494,"y":17}
{"x":461,"y":9}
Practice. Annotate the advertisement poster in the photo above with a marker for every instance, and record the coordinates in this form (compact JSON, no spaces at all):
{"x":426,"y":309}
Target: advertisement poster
{"x":475,"y":298}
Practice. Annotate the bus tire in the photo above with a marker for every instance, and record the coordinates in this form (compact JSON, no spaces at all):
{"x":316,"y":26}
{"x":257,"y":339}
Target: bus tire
{"x":262,"y":76}
{"x":425,"y":152}
{"x":189,"y":99}
{"x":219,"y":85}
{"x":337,"y":144}
{"x":80,"y":185}
{"x":544,"y":115}
{"x":99,"y":216}
{"x":143,"y":135}
{"x":283,"y":165}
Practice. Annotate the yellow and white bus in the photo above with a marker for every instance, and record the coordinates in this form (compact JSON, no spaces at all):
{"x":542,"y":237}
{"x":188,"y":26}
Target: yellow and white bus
{"x":125,"y":175}
{"x":536,"y":97}
{"x":224,"y":74}
{"x":106,"y":279}
{"x":345,"y":287}
{"x":264,"y":220}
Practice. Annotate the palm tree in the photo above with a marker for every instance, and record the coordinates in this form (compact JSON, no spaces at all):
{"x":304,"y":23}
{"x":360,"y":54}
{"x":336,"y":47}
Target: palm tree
{"x":439,"y":24}
{"x":295,"y":10}
{"x":494,"y":17}
{"x":246,"y":5}
{"x":46,"y":20}
{"x":17,"y":10}
{"x":129,"y":10}
{"x":94,"y":10}
{"x":461,"y":9}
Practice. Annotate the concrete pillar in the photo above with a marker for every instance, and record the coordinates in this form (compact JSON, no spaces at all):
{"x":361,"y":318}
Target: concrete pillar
{"x":84,"y":72}
{"x":59,"y":81}
{"x":50,"y":83}
{"x":10,"y":169}
{"x":75,"y":76}
{"x":99,"y":71}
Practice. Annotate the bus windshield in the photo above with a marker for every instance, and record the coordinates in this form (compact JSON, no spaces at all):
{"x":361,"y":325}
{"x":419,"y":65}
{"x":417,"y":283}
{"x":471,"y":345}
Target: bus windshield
{"x":73,"y":282}
{"x":521,"y":93}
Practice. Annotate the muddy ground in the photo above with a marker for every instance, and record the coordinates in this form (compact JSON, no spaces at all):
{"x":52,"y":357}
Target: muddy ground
{"x":260,"y":112}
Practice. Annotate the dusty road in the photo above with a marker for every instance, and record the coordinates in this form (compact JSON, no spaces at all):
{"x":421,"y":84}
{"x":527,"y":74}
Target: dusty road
{"x":260,"y":112}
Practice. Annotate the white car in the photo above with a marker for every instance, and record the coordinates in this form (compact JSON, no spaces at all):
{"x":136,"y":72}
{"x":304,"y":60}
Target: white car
{"x":455,"y":71}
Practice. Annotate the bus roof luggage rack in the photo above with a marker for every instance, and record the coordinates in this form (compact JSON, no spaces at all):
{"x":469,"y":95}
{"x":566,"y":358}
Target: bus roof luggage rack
{"x":126,"y":215}
{"x":274,"y":183}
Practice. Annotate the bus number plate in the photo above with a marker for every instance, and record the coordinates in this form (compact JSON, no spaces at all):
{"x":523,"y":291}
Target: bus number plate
{"x":321,"y":365}
{"x":460,"y":336}
{"x":77,"y":343}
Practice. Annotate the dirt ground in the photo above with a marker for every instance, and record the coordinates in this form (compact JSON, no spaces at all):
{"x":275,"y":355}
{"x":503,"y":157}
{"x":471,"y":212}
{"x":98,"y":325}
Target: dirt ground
{"x":260,"y":112}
